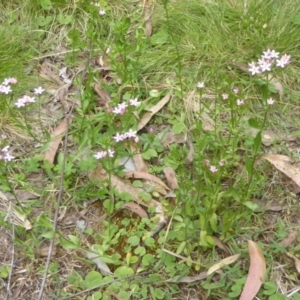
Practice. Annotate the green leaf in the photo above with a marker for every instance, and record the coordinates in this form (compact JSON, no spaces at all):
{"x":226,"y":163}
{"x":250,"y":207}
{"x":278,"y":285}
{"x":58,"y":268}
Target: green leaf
{"x":74,"y":239}
{"x":254,"y":123}
{"x":95,"y":296}
{"x":44,"y":21}
{"x":4,"y":271}
{"x":214,"y":222}
{"x":270,"y":288}
{"x":46,"y":4}
{"x":140,"y":251}
{"x":134,"y":240}
{"x":64,"y":19}
{"x":149,"y":154}
{"x":251,"y":205}
{"x":123,"y":271}
{"x":147,"y":260}
{"x":92,"y":280}
{"x":257,"y":143}
{"x":178,"y":128}
{"x":109,"y":205}
{"x":49,"y":234}
{"x":149,"y":241}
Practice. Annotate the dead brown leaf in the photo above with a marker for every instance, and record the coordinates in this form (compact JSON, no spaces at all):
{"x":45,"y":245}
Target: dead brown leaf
{"x":266,"y":205}
{"x":190,"y":279}
{"x":104,"y":97}
{"x":284,"y":164}
{"x":256,"y":272}
{"x":148,"y":115}
{"x":276,"y":83}
{"x":138,"y":160}
{"x":221,"y":245}
{"x":147,"y":176}
{"x":171,"y":178}
{"x":136,"y":209}
{"x":269,"y":137}
{"x":171,"y":138}
{"x":291,"y":238}
{"x":56,"y":138}
{"x":49,"y":72}
{"x":296,"y":261}
{"x":224,"y":262}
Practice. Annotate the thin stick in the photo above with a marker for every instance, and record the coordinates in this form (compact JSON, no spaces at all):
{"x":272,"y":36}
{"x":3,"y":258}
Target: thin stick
{"x":61,"y":189}
{"x":12,"y":262}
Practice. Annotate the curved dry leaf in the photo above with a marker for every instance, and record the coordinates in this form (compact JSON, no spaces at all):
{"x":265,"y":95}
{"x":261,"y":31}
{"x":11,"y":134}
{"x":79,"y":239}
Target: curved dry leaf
{"x":276,"y":83}
{"x":224,"y":262}
{"x":171,"y":178}
{"x":152,"y":111}
{"x":284,"y":164}
{"x":296,"y":261}
{"x":94,"y":257}
{"x":136,"y":209}
{"x":147,"y":176}
{"x":56,"y":138}
{"x":221,"y":245}
{"x":256,"y":272}
{"x":291,"y":238}
{"x":138,"y":159}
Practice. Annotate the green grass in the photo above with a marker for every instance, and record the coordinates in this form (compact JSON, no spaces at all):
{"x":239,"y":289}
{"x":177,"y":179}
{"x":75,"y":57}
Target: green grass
{"x":210,"y":41}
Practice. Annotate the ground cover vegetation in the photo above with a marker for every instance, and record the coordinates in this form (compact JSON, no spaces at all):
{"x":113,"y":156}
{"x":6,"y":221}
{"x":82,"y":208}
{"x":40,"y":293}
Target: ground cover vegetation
{"x":149,"y":149}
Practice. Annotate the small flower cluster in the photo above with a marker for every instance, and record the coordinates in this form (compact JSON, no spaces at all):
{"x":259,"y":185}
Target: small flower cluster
{"x":5,"y":87}
{"x":125,"y":136}
{"x":26,"y":99}
{"x":102,"y":154}
{"x":118,"y":138}
{"x":5,"y":155}
{"x":267,"y":59}
{"x":121,"y":107}
{"x":101,"y":11}
{"x":213,"y":168}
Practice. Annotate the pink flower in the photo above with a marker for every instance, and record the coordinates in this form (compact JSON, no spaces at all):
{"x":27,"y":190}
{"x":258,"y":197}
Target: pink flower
{"x":225,"y":96}
{"x":100,"y":154}
{"x":235,"y":90}
{"x":5,"y":89}
{"x":267,"y":54}
{"x":130,"y":134}
{"x":10,"y":80}
{"x":254,"y":69}
{"x":200,"y":85}
{"x":222,"y":162}
{"x":8,"y":157}
{"x":134,"y":102}
{"x":270,"y":101}
{"x":265,"y":65}
{"x":283,"y":61}
{"x":119,"y":137}
{"x":111,"y":152}
{"x":120,"y":109}
{"x":20,"y":103}
{"x":213,"y":169}
{"x":39,"y":91}
{"x":240,"y":102}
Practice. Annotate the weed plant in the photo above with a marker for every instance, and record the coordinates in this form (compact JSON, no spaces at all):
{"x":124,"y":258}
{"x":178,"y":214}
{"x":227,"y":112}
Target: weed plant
{"x":234,"y":61}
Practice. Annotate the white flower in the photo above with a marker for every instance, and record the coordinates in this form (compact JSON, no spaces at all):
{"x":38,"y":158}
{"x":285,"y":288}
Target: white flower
{"x":213,"y":169}
{"x":134,"y":102}
{"x":102,"y":12}
{"x":200,"y":85}
{"x":240,"y":102}
{"x":119,"y":137}
{"x":100,"y":154}
{"x":254,"y":69}
{"x":39,"y":90}
{"x":270,"y":101}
